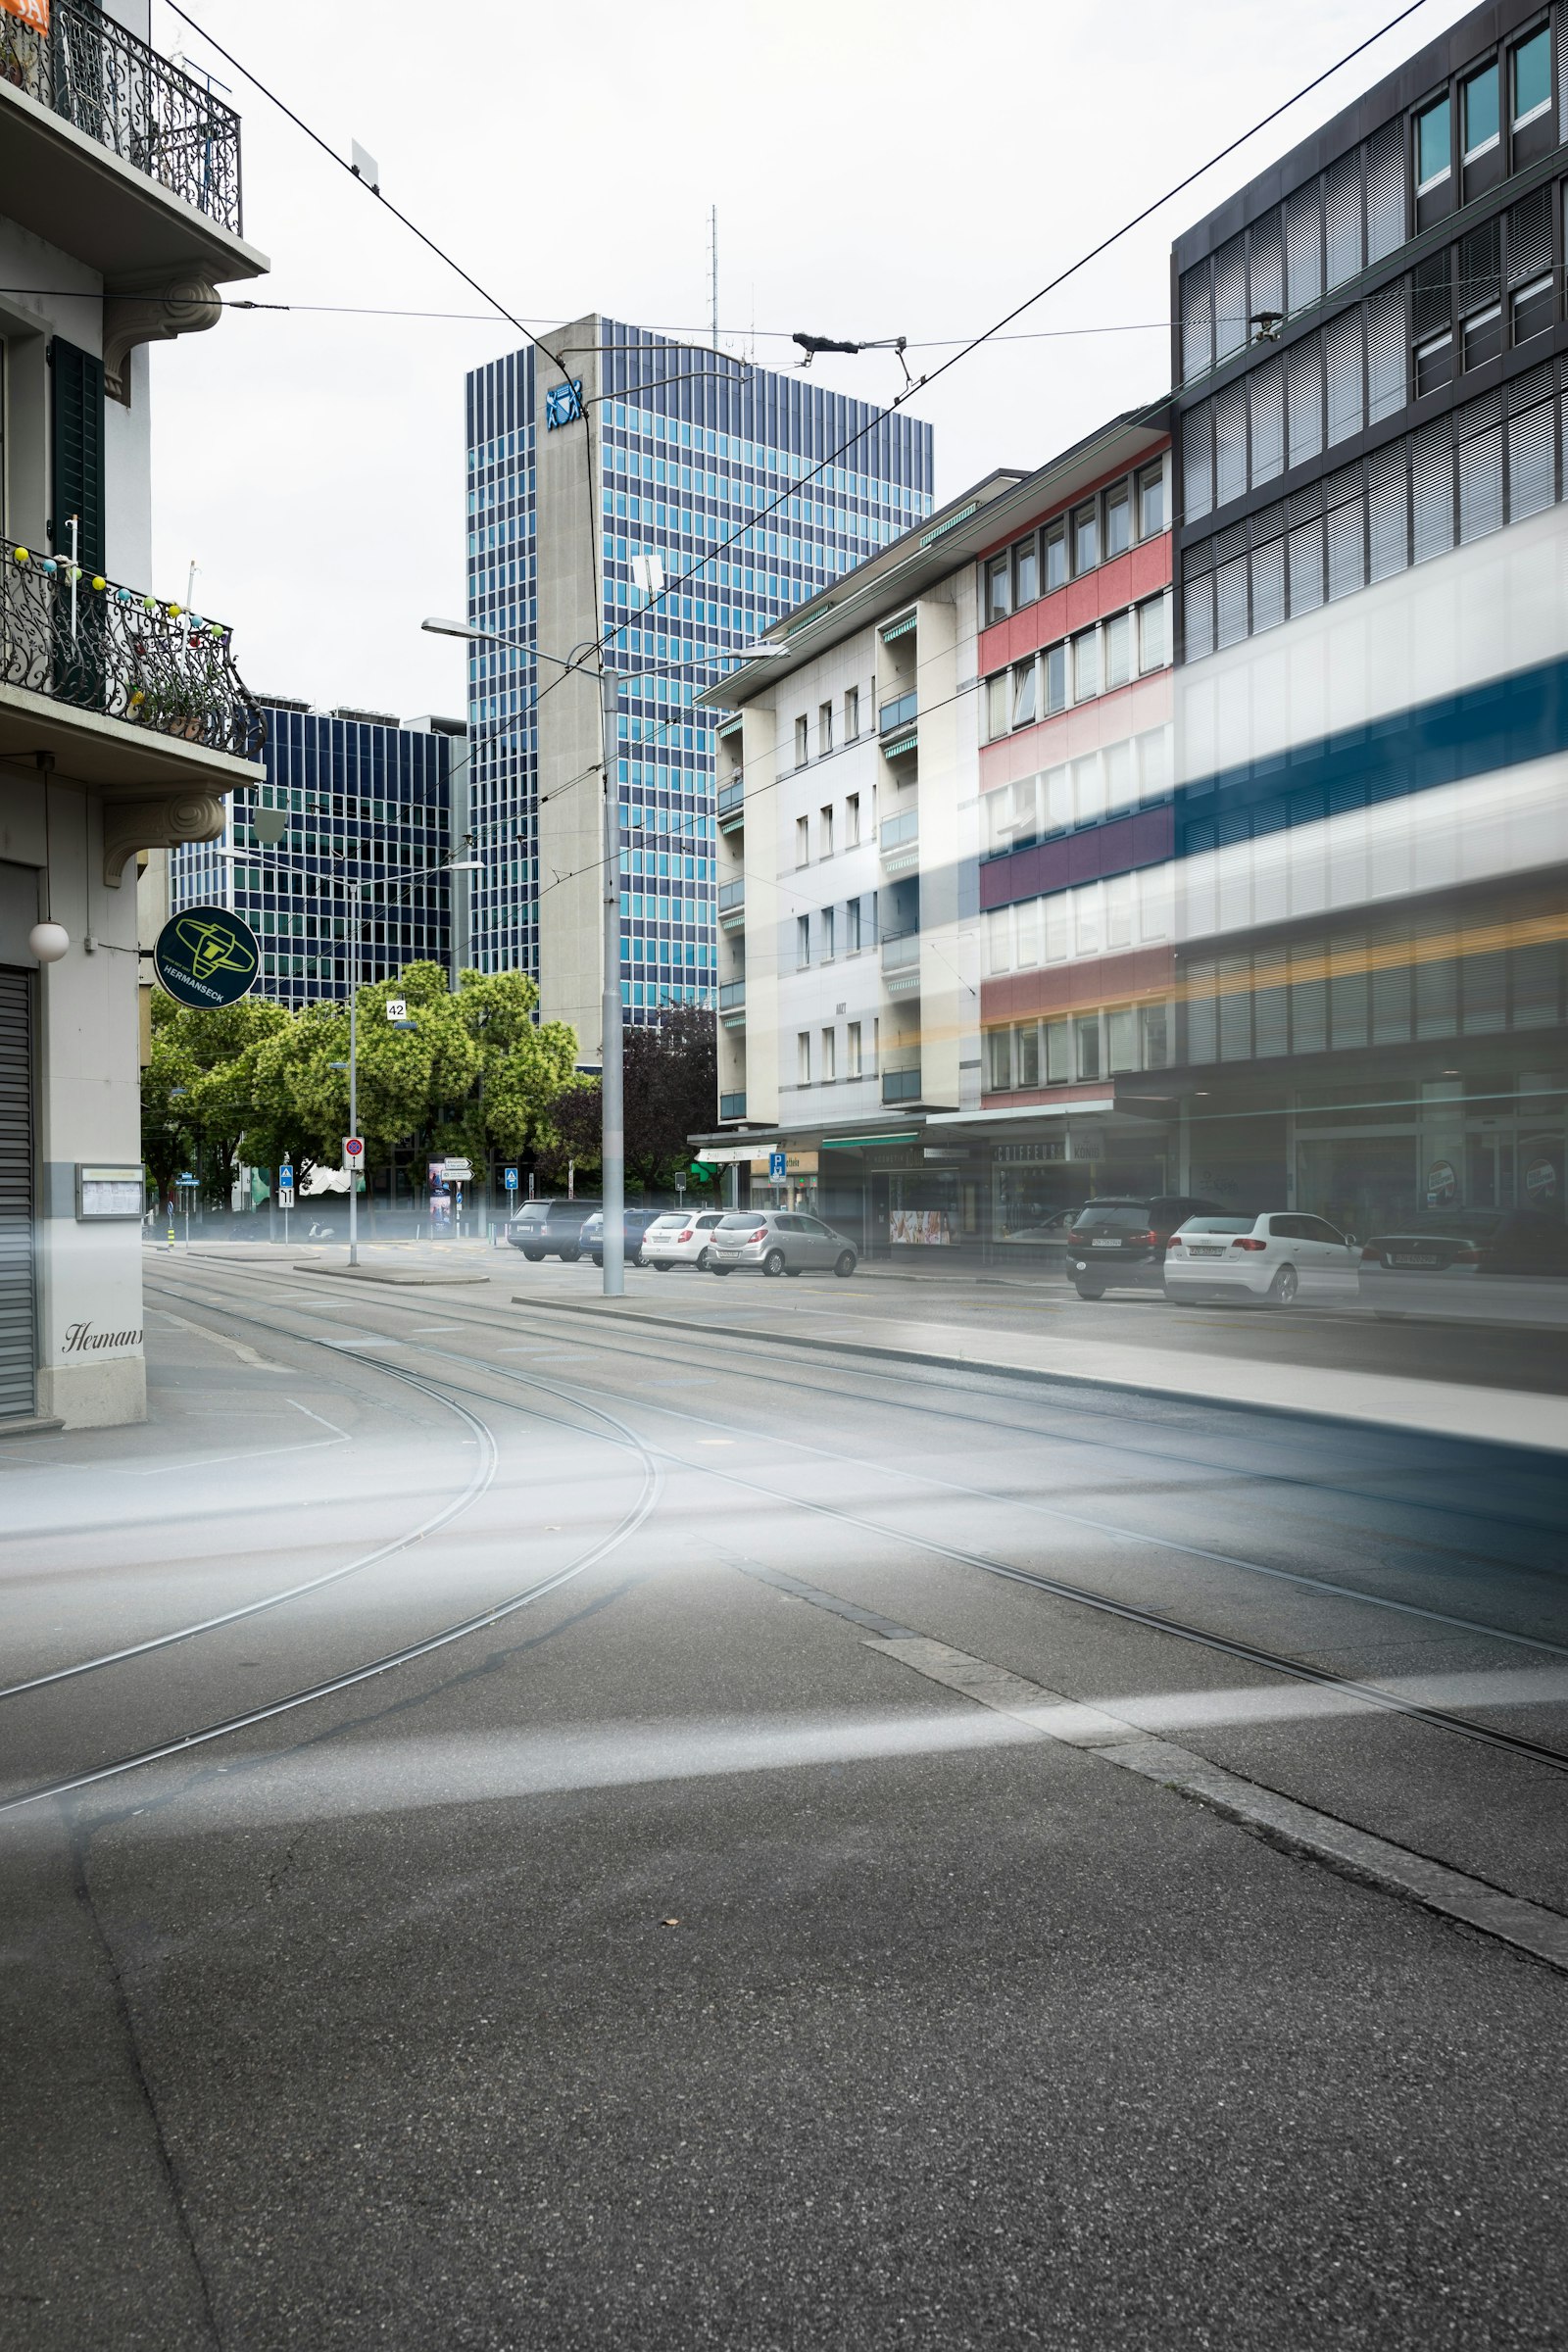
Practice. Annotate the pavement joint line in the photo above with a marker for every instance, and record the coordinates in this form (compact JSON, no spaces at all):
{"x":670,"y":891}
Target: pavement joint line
{"x":1528,"y":1927}
{"x":1035,"y":1375}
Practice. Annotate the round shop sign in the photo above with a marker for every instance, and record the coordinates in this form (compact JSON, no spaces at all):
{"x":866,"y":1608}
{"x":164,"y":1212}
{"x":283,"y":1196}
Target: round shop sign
{"x":206,"y":956}
{"x":1540,"y":1180}
{"x":1443,"y":1185}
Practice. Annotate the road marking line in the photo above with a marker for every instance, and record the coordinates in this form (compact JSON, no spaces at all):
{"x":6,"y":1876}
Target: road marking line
{"x":320,"y":1417}
{"x":1529,"y":1927}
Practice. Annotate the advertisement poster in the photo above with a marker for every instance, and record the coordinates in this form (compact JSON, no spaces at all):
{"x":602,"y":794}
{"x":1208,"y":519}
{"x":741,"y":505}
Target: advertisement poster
{"x":919,"y":1228}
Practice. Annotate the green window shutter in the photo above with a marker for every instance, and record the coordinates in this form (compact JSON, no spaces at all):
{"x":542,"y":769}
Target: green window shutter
{"x":77,"y":452}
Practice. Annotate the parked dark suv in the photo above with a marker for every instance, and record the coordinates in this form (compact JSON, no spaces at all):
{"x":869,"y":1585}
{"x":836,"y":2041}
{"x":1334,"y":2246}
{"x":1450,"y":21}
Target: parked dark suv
{"x":1118,"y":1243}
{"x":550,"y":1229}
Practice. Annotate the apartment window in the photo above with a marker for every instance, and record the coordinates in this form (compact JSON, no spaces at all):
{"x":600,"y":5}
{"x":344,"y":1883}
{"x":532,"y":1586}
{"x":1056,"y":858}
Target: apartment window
{"x":802,"y":1056}
{"x":802,"y":837}
{"x":1119,"y":522}
{"x":1055,"y":546}
{"x":1119,"y":890}
{"x":1483,"y":335}
{"x":1432,"y":143}
{"x":1121,"y":1038}
{"x":852,"y":822}
{"x":1480,"y":113}
{"x":824,"y":730}
{"x":1151,"y":501}
{"x":1086,"y":666}
{"x":852,"y":713}
{"x":802,"y":940}
{"x":1118,"y":649}
{"x":1152,"y":1022}
{"x":999,"y":1043}
{"x":1533,"y":308}
{"x":1024,"y":689}
{"x":998,"y":703}
{"x":1026,"y":1053}
{"x":802,"y":749}
{"x":1026,"y":572}
{"x":828,"y":927}
{"x":999,"y":588}
{"x":851,"y":927}
{"x":1532,"y":77}
{"x":1153,"y":634}
{"x":1059,"y":1053}
{"x":876,"y":1046}
{"x":1434,"y":365}
{"x":851,"y":1047}
{"x":1087,"y":1039}
{"x":824,"y":831}
{"x":1084,"y":540}
{"x":1055,"y":664}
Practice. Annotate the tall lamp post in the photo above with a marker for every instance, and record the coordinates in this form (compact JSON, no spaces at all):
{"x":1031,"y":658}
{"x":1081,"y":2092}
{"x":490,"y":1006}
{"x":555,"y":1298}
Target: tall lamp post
{"x":611,"y":1083}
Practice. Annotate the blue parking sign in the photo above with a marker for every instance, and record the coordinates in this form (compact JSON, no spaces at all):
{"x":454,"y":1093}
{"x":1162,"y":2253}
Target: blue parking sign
{"x":778,"y":1166}
{"x":510,"y":1180}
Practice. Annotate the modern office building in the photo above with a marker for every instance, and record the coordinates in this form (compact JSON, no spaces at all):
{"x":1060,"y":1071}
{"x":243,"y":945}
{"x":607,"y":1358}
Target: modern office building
{"x":371,"y":801}
{"x":636,"y":447}
{"x":1370,"y":826}
{"x":936,"y":810}
{"x":124,"y":723}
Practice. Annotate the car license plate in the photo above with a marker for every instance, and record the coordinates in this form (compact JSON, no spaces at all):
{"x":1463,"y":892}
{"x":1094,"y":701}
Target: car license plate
{"x":1403,"y":1258}
{"x":1193,"y":1249}
{"x":1105,"y":1245}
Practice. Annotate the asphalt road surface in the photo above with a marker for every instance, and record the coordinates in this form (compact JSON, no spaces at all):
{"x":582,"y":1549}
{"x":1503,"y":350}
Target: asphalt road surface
{"x":524,"y":1830}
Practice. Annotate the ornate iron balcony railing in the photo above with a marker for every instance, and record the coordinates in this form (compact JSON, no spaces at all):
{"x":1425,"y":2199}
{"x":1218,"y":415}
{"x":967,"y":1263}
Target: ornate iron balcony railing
{"x":108,"y":84}
{"x":80,"y":639}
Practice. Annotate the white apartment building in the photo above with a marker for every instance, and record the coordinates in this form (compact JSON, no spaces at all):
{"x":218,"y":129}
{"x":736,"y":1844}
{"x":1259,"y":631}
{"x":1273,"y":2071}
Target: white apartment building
{"x":847,"y":804}
{"x":124,"y":723}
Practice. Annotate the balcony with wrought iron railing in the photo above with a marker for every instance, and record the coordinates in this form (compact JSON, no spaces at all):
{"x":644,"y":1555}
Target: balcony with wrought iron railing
{"x":88,"y":72}
{"x":82,"y":644}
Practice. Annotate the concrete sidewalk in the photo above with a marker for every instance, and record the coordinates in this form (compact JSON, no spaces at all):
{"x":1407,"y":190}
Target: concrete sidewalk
{"x":1438,"y":1408}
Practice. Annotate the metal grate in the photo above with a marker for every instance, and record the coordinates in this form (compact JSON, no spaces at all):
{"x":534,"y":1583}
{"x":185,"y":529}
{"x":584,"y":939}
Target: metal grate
{"x":17,"y":1340}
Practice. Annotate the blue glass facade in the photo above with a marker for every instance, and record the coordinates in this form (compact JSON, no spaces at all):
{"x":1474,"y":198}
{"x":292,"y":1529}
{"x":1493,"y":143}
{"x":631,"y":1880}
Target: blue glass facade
{"x":688,"y":447}
{"x":366,"y":799}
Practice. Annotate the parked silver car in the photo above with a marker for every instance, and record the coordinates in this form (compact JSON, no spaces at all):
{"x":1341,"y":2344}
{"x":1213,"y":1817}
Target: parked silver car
{"x":778,"y":1241}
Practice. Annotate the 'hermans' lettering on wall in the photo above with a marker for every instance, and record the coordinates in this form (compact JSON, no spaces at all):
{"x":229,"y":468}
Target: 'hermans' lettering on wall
{"x":81,"y":1340}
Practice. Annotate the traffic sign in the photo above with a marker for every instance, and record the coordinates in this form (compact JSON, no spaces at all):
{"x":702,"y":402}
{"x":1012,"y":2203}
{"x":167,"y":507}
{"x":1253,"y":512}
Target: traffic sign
{"x":187,"y":1178}
{"x":510,"y":1180}
{"x":206,"y":956}
{"x":354,"y":1151}
{"x":397,"y":1008}
{"x":778,"y":1166}
{"x":285,"y":1174}
{"x":285,"y":1196}
{"x":457,"y":1171}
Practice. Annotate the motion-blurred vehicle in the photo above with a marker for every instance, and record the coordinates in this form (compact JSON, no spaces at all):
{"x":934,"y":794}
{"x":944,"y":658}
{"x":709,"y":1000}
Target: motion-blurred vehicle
{"x":550,"y":1229}
{"x":1051,"y":1233}
{"x":680,"y":1238}
{"x":1272,"y":1257}
{"x":779,"y":1241}
{"x":1118,"y":1243}
{"x":637,"y":1223}
{"x":1470,"y":1266}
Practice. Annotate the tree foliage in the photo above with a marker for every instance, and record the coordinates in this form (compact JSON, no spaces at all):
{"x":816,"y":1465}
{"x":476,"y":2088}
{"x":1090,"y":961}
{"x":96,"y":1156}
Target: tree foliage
{"x":476,"y":1073}
{"x":672,"y":1077}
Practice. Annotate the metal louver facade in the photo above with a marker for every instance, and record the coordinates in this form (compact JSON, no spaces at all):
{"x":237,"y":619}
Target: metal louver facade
{"x":18,"y":1314}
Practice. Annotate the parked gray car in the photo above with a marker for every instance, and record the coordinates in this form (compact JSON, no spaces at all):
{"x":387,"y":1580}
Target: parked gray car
{"x":779,"y":1241}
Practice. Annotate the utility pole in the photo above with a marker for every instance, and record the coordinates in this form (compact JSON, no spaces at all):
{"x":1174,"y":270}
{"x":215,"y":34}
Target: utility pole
{"x":353,"y":1064}
{"x":612,"y":1097}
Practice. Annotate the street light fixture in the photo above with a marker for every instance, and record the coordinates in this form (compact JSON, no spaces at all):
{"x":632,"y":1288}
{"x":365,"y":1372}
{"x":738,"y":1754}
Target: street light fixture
{"x":611,"y":1083}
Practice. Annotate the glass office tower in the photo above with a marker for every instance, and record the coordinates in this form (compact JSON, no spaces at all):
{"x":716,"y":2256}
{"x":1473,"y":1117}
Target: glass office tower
{"x":366,"y":797}
{"x":637,"y":446}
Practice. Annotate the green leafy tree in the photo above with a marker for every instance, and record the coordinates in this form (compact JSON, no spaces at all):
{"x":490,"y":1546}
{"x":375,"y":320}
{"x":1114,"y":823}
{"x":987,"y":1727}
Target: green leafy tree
{"x":669,"y":1087}
{"x":194,"y":1095}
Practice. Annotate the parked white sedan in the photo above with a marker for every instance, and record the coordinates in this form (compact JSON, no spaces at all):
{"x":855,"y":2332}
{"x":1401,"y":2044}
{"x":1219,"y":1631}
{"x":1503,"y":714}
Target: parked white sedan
{"x":1276,"y":1259}
{"x":680,"y":1238}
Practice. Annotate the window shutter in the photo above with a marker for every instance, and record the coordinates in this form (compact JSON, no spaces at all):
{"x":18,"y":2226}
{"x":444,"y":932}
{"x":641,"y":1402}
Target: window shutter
{"x":76,"y":458}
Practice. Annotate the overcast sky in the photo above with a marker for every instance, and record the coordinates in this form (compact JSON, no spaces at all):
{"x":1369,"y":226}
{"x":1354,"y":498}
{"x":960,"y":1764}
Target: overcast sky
{"x":880,"y":166}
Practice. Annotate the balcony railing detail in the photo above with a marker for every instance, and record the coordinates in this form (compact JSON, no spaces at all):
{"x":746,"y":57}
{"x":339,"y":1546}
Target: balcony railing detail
{"x":731,"y":996}
{"x":731,"y":895}
{"x":112,"y":87}
{"x":902,"y":951}
{"x":900,"y":1086}
{"x":898,"y":831}
{"x":897,"y":714}
{"x":730,"y":796}
{"x":732,"y":1107}
{"x":88,"y":642}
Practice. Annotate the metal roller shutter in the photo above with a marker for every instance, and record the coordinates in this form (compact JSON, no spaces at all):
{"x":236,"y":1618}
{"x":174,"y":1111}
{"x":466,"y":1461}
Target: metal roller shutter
{"x":18,"y":1349}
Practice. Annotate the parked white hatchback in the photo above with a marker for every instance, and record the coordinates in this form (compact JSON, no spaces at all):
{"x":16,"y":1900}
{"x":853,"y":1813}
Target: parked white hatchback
{"x":680,"y":1238}
{"x":1275,"y":1259}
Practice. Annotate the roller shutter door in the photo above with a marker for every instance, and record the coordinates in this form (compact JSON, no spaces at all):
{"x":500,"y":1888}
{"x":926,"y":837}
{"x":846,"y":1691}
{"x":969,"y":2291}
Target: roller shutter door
{"x":18,"y":1351}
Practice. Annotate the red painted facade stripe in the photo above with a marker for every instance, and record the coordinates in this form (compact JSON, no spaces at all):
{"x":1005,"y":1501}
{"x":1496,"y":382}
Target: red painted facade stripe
{"x":1081,"y":987}
{"x":1142,"y":571}
{"x":1147,"y":838}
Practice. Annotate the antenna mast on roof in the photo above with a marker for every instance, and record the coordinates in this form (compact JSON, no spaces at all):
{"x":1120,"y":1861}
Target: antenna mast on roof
{"x":712,"y":269}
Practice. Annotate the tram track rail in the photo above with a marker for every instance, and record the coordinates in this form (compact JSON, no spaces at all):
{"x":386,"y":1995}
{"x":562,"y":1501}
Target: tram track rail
{"x":1369,"y":1695}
